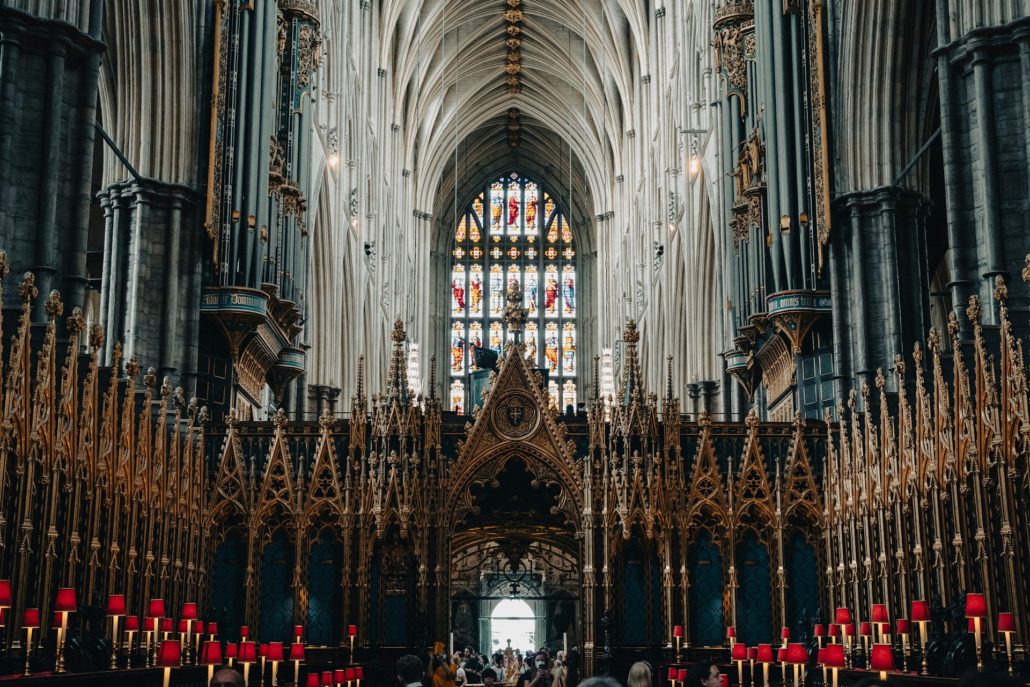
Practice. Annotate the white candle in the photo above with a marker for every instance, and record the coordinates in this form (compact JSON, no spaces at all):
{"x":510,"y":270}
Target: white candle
{"x":565,"y":644}
{"x":451,"y":652}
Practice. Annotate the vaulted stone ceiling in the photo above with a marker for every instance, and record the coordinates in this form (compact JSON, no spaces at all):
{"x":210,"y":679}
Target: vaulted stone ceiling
{"x":572,"y":66}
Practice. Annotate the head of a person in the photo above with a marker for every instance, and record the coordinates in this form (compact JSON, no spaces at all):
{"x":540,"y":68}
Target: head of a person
{"x":489,"y":677}
{"x":704,"y":674}
{"x":540,"y":660}
{"x":227,"y":677}
{"x":639,"y":675}
{"x":599,"y":681}
{"x":409,"y":669}
{"x":562,"y":656}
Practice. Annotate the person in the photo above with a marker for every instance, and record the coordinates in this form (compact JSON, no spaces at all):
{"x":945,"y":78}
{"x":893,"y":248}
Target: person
{"x":703,"y":674}
{"x":600,"y":681}
{"x":559,"y":672}
{"x":473,"y":670}
{"x":639,"y":675}
{"x":489,"y":677}
{"x":538,"y":674}
{"x":443,"y":674}
{"x":409,"y":671}
{"x":227,"y":677}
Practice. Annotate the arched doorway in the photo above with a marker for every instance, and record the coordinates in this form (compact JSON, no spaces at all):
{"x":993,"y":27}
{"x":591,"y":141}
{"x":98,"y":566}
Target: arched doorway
{"x":512,"y":624}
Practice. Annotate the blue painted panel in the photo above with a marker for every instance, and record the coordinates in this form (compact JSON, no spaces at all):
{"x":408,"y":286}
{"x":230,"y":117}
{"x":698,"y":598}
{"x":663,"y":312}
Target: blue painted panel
{"x":705,"y":561}
{"x":802,"y":582}
{"x":324,"y":600}
{"x":227,"y":593}
{"x":395,"y":620}
{"x":634,"y":600}
{"x":276,"y":593}
{"x":754,"y":596}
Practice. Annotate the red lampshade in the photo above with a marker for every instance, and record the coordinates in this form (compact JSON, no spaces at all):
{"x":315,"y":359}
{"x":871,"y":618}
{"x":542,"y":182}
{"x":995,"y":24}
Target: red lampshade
{"x":248,"y":652}
{"x":349,"y":674}
{"x":184,"y":626}
{"x":920,"y":612}
{"x":834,"y":630}
{"x":677,"y":631}
{"x":5,"y":593}
{"x":275,"y":651}
{"x":724,"y":680}
{"x":189,"y":611}
{"x":833,"y":656}
{"x":785,"y":633}
{"x":881,"y":657}
{"x":902,"y":626}
{"x":312,"y":680}
{"x":30,"y":618}
{"x":842,"y":616}
{"x":65,"y":601}
{"x":327,"y":678}
{"x":731,"y":631}
{"x":682,"y":674}
{"x":338,"y":676}
{"x":156,"y":608}
{"x":167,"y":625}
{"x":170,"y":655}
{"x":296,"y":652}
{"x":198,"y":627}
{"x":865,"y":629}
{"x":781,"y":655}
{"x":244,"y":631}
{"x":819,"y":657}
{"x":796,"y":654}
{"x":212,"y":628}
{"x":262,"y":650}
{"x":132,"y":623}
{"x":672,"y":674}
{"x":765,"y":654}
{"x":819,"y":630}
{"x":298,"y":630}
{"x":879,"y":614}
{"x":151,"y":624}
{"x":739,"y":652}
{"x":58,"y":621}
{"x":847,"y":629}
{"x":976,"y":605}
{"x":232,"y":650}
{"x":752,"y":653}
{"x":971,"y":624}
{"x":359,"y":673}
{"x":116,"y":604}
{"x":352,"y":630}
{"x":211,"y":653}
{"x":1006,"y":622}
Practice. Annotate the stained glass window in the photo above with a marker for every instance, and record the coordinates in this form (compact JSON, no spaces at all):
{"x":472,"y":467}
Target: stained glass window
{"x":514,"y":232}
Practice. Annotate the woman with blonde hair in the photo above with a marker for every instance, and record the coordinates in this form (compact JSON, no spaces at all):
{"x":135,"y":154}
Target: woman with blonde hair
{"x":639,"y":675}
{"x":560,"y":672}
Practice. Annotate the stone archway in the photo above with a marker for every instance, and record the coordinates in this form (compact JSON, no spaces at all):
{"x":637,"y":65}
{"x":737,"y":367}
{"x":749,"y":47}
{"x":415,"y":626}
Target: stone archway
{"x":513,"y":514}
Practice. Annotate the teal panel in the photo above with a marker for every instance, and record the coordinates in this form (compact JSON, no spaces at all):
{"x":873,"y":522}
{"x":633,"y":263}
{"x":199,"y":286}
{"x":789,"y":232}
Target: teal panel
{"x":276,"y":593}
{"x":754,"y":596}
{"x":705,"y":561}
{"x":227,"y":594}
{"x":802,"y":582}
{"x":395,"y":620}
{"x":324,"y":600}
{"x":634,"y":598}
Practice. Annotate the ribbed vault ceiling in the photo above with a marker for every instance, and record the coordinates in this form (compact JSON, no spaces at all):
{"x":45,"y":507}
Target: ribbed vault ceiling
{"x":578,"y":62}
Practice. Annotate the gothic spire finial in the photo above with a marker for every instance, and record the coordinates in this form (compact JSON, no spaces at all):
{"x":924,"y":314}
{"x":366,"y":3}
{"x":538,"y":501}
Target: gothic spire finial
{"x":397,"y":384}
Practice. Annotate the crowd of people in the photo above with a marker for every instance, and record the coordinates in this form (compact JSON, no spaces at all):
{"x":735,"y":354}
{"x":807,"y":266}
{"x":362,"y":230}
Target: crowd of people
{"x":511,"y":668}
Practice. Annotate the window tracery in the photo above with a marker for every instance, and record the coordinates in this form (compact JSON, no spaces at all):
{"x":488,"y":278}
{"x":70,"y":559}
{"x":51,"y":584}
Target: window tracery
{"x":514,"y":233}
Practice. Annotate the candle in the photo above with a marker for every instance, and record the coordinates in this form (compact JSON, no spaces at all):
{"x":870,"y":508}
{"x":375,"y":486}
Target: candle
{"x":565,"y":643}
{"x":451,"y":652}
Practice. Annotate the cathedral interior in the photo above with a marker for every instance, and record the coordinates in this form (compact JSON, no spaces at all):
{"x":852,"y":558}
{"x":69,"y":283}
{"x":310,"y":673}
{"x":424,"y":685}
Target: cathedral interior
{"x":679,"y":331}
